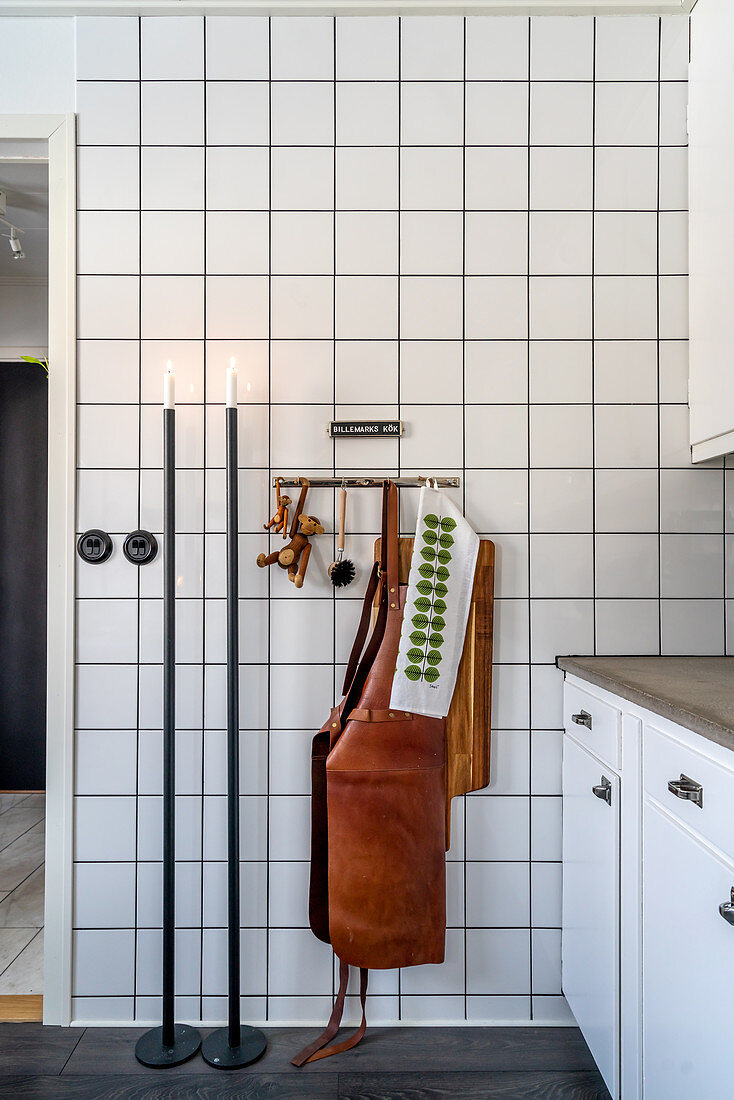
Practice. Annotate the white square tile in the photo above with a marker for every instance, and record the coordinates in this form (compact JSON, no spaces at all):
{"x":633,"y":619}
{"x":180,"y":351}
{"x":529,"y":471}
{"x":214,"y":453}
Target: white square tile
{"x":237,"y":307}
{"x":104,"y":762}
{"x":366,"y":307}
{"x":431,"y":178}
{"x":510,"y":697}
{"x":432,"y":113}
{"x":691,"y":566}
{"x":189,"y":437}
{"x":189,"y":501}
{"x":561,"y":500}
{"x":302,"y":48}
{"x":302,"y":179}
{"x":560,"y":371}
{"x":107,"y":631}
{"x":107,"y":307}
{"x":561,"y":565}
{"x":560,"y":626}
{"x":188,"y":895}
{"x":430,"y":308}
{"x":561,"y":114}
{"x":561,"y":179}
{"x":495,"y":370}
{"x":626,"y":371}
{"x":627,"y":179}
{"x":510,"y":750}
{"x":107,"y":178}
{"x":302,"y":371}
{"x":497,"y":827}
{"x":108,"y":113}
{"x":562,"y":48}
{"x":302,"y":307}
{"x":290,"y":756}
{"x":497,"y":48}
{"x":692,"y":627}
{"x":546,"y":762}
{"x":367,"y":371}
{"x":173,"y":113}
{"x":547,"y":700}
{"x":546,"y":827}
{"x":432,"y":49}
{"x":496,"y":243}
{"x":673,"y":178}
{"x":366,"y":179}
{"x":511,"y":639}
{"x":447,"y":978}
{"x":149,"y":961}
{"x":560,"y":307}
{"x":237,"y":241}
{"x":627,"y":566}
{"x":625,"y":244}
{"x":187,"y":359}
{"x":496,"y":436}
{"x":104,"y":961}
{"x":673,"y":307}
{"x":299,"y":963}
{"x":433,"y":436}
{"x":237,"y":113}
{"x":172,"y":242}
{"x":496,"y":307}
{"x":498,"y":1010}
{"x":496,"y":179}
{"x":431,"y":243}
{"x":496,"y":114}
{"x":106,"y":697}
{"x":150,"y":828}
{"x":301,"y":631}
{"x":290,"y":817}
{"x":236,"y":48}
{"x":102,"y":1009}
{"x":625,"y":306}
{"x":546,"y":944}
{"x":104,"y":829}
{"x":560,"y":243}
{"x":367,"y":114}
{"x":627,"y":626}
{"x":172,"y":307}
{"x":497,"y":500}
{"x":674,"y":368}
{"x":674,"y":113}
{"x":107,"y":242}
{"x":436,"y":362}
{"x":252,"y":431}
{"x":673,"y":228}
{"x":237,"y":178}
{"x":288,"y":895}
{"x":367,"y":48}
{"x":674,"y":47}
{"x":625,"y":53}
{"x":189,"y":625}
{"x":626,"y":435}
{"x":498,"y":960}
{"x":302,"y":113}
{"x":172,"y":48}
{"x":366,"y":243}
{"x":690,"y":501}
{"x":172,"y":178}
{"x":497,"y":895}
{"x":104,"y":895}
{"x":626,"y":500}
{"x":626,"y":114}
{"x":107,"y":48}
{"x":107,"y":499}
{"x":560,"y":436}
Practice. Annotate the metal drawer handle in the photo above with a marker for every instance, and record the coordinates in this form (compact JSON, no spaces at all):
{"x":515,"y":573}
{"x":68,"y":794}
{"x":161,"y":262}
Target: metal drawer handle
{"x":603,"y":790}
{"x":727,"y":909}
{"x":687,"y":788}
{"x":583,"y":718}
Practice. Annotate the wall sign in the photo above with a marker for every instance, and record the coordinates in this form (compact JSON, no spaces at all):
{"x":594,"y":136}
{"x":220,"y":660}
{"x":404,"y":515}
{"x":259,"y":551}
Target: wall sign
{"x":363,"y":428}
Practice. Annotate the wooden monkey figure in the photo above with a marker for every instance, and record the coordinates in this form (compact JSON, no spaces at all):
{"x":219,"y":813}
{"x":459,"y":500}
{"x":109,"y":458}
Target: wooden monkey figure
{"x":280,"y":520}
{"x":294,"y":556}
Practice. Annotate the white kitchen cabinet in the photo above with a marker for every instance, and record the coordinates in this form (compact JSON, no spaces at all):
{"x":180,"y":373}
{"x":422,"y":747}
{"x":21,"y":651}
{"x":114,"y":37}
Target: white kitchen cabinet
{"x":688,"y":963}
{"x":591,"y":881}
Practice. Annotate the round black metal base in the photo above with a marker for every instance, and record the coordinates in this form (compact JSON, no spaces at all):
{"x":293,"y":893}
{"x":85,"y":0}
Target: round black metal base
{"x":150,"y":1050}
{"x":217,"y":1052}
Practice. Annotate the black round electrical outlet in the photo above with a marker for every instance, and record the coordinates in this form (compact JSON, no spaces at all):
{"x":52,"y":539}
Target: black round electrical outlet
{"x":94,"y":546}
{"x":140,"y":547}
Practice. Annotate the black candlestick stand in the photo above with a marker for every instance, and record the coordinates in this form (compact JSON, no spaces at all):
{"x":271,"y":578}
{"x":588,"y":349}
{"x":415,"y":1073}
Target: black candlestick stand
{"x":237,"y":1044}
{"x":172,"y":1043}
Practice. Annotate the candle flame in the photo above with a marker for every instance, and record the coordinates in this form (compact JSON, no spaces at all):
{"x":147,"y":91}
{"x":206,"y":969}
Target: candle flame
{"x":169,"y":367}
{"x":232,"y":362}
{"x":249,"y":387}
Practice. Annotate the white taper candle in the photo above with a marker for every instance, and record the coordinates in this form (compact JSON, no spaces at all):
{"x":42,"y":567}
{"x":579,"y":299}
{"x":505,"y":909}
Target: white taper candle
{"x":231,"y":385}
{"x":169,"y":388}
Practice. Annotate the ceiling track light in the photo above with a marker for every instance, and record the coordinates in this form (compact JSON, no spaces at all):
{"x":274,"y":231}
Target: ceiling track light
{"x":15,"y":246}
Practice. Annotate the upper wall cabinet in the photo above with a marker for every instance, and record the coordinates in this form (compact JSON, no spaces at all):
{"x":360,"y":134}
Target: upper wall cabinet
{"x":347,"y":7}
{"x":711,"y":160}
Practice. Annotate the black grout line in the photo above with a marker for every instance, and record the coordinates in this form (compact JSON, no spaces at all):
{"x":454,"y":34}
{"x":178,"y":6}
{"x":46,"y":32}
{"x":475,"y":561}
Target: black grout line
{"x":529,"y":619}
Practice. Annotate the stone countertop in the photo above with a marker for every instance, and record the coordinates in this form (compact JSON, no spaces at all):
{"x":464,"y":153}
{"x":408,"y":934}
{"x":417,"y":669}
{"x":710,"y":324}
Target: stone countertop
{"x":694,"y":692}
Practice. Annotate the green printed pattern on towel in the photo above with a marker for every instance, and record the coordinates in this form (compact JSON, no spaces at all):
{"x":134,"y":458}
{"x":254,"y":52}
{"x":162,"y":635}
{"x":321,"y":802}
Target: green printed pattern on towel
{"x":428,"y":621}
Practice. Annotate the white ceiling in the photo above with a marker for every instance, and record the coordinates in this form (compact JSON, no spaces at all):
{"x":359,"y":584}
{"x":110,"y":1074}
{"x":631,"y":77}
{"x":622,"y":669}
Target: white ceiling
{"x":26,"y":185}
{"x":344,"y":7}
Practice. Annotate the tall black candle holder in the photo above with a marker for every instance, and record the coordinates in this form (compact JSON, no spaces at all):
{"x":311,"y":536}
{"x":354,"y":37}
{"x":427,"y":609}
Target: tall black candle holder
{"x":236,"y":1044}
{"x":171,"y":1043}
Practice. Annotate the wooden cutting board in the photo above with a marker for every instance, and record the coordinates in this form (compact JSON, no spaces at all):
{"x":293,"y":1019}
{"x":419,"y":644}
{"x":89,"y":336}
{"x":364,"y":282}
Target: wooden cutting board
{"x":468,"y":720}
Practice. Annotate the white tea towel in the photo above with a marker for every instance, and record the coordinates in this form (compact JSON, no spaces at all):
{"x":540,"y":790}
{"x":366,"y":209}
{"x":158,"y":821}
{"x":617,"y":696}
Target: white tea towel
{"x":436,"y":609}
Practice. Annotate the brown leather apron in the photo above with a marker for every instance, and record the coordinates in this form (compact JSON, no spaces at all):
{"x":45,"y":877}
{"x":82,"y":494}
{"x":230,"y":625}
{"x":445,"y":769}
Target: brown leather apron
{"x":378,"y":875}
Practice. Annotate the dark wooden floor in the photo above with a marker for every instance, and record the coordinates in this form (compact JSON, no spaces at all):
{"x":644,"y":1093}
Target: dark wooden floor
{"x":473,"y":1063}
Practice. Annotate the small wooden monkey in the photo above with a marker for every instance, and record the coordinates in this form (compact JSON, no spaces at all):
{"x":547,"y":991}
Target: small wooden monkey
{"x":294,"y":556}
{"x":280,"y":520}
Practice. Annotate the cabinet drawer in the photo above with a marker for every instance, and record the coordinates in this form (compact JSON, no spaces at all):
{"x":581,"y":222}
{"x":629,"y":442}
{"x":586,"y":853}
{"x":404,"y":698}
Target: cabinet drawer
{"x":593,"y":722}
{"x":666,"y":760}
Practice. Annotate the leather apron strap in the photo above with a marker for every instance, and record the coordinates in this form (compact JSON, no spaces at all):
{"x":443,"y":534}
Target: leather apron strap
{"x":315,"y":1050}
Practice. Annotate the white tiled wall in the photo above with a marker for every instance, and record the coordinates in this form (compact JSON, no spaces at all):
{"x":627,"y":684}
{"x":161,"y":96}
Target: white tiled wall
{"x":480,"y":226}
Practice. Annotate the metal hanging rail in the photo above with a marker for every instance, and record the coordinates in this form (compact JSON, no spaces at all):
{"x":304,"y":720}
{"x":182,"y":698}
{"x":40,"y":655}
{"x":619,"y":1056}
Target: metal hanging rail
{"x":368,"y":482}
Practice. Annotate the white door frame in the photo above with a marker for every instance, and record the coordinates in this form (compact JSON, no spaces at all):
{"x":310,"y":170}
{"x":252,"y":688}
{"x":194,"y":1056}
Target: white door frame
{"x":60,"y":132}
